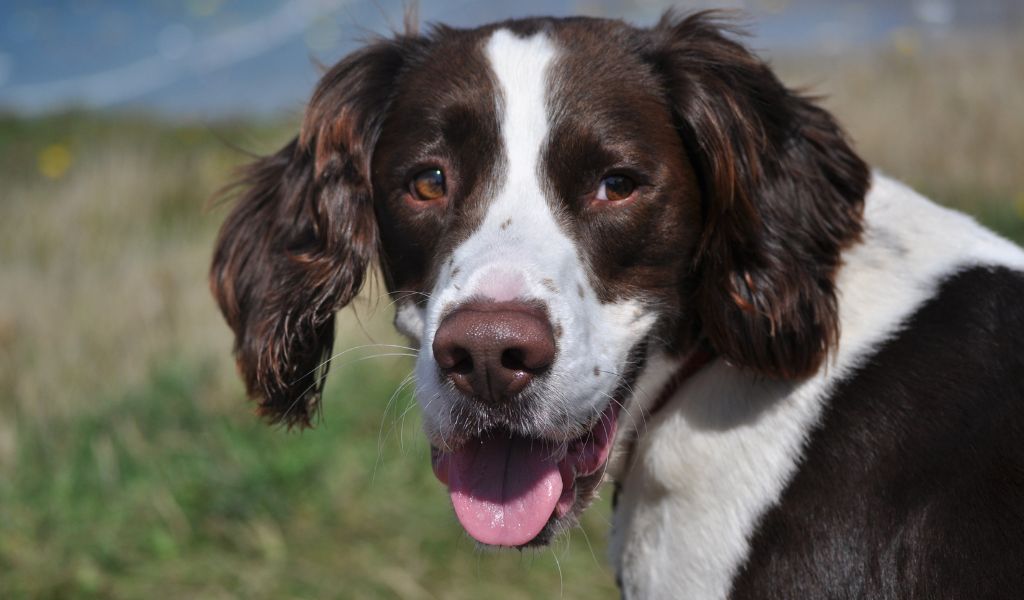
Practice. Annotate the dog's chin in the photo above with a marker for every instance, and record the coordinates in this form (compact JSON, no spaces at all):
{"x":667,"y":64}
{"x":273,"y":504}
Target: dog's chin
{"x":517,"y":491}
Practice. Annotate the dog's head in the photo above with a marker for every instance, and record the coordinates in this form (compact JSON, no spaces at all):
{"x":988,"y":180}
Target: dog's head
{"x":549,"y":201}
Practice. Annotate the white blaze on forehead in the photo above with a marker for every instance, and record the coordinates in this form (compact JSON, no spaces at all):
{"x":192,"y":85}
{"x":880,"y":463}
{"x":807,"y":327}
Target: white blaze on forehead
{"x":519,"y":243}
{"x":520,"y":66}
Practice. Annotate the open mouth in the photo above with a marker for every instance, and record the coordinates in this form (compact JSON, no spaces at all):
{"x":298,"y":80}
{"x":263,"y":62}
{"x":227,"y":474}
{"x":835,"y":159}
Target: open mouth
{"x":506,"y":488}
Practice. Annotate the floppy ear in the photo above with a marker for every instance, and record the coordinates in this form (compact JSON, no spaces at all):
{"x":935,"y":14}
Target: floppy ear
{"x":782,"y":196}
{"x":298,"y":243}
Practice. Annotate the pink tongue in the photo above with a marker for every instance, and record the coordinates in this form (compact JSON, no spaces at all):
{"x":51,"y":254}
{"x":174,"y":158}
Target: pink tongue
{"x":504,"y":490}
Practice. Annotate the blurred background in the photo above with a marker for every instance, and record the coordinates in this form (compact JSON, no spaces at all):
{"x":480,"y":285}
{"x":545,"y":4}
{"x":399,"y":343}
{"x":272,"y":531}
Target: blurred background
{"x":131,"y":464}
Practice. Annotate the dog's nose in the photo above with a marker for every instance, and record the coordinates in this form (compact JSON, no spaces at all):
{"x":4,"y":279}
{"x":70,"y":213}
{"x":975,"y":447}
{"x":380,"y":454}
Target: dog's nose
{"x":491,"y":351}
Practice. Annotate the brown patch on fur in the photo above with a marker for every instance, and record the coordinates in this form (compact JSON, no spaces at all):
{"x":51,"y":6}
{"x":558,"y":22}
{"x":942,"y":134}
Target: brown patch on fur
{"x":549,"y":285}
{"x":504,"y":225}
{"x":443,"y":116}
{"x":611,"y":116}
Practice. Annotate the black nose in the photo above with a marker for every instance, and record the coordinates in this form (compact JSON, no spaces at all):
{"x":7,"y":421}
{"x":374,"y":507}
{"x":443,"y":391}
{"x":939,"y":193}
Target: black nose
{"x":493,"y":350}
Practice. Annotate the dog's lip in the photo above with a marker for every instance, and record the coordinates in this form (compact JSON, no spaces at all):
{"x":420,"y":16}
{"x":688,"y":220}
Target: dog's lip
{"x":581,"y":457}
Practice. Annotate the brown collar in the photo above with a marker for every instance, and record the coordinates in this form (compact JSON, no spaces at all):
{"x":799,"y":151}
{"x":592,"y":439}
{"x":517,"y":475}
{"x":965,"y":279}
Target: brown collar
{"x":696,"y":361}
{"x":693,"y":363}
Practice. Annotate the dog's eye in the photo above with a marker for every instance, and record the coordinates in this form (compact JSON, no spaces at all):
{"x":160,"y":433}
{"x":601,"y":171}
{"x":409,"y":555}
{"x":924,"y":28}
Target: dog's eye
{"x":429,"y":184}
{"x":615,"y":187}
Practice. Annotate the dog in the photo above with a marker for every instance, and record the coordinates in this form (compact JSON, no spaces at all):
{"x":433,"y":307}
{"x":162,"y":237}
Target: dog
{"x":632,"y":254}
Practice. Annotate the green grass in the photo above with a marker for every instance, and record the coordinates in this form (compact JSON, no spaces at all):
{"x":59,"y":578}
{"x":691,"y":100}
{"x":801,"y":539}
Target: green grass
{"x":131,"y":464}
{"x":153,"y":494}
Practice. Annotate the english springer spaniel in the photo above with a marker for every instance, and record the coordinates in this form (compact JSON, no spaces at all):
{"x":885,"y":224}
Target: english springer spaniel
{"x":633,"y":254}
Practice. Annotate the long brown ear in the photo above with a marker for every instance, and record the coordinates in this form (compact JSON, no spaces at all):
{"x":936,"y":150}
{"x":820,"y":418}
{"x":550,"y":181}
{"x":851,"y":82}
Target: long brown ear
{"x":782,"y":193}
{"x":298,"y":243}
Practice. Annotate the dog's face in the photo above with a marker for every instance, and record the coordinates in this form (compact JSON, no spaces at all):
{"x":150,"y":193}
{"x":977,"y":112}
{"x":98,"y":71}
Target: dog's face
{"x":549,"y":202}
{"x":537,"y":213}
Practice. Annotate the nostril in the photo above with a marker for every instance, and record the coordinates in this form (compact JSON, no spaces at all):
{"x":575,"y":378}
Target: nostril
{"x":463,"y":363}
{"x":514,"y":360}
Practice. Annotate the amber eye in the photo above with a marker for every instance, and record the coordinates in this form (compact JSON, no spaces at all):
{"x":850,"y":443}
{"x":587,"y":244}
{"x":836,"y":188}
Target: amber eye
{"x":429,"y":184}
{"x":615,"y":187}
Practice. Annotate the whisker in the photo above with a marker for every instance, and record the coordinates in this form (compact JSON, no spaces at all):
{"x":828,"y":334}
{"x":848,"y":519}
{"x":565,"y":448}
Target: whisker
{"x":401,"y":428}
{"x":586,"y":538}
{"x":352,"y":349}
{"x":622,"y":407}
{"x":374,"y":300}
{"x":561,"y":581}
{"x":405,"y":295}
{"x":319,"y":380}
{"x":380,"y":430}
{"x":633,"y":395}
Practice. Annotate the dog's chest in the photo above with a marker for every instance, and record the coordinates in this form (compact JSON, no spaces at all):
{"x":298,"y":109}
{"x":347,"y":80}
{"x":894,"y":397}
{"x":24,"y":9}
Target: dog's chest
{"x":707,"y":468}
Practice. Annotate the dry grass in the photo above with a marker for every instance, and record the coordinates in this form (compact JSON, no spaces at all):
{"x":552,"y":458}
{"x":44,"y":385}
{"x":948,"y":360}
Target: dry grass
{"x":100,"y":284}
{"x":944,"y":115}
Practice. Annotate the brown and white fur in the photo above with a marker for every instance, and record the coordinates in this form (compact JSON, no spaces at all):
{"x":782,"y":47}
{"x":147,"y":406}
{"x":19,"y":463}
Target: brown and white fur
{"x":859,"y":431}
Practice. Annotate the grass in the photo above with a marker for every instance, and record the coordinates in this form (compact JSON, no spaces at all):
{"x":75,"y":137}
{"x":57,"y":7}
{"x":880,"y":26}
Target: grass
{"x":131,"y":465}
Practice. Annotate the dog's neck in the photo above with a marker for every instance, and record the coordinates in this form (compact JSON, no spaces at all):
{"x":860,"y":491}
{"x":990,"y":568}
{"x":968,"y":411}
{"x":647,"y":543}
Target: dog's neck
{"x":709,"y":464}
{"x":685,"y":368}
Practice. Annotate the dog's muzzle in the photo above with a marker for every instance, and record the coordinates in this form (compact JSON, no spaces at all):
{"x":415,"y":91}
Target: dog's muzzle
{"x":506,"y":486}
